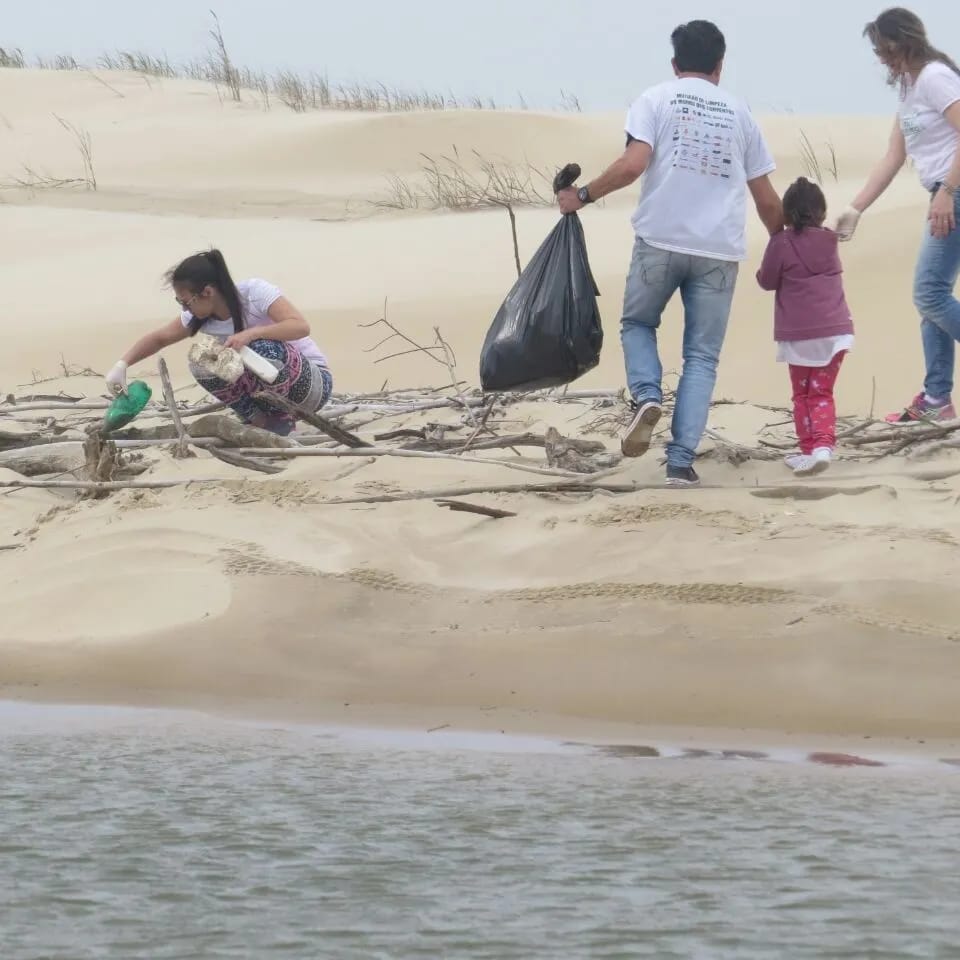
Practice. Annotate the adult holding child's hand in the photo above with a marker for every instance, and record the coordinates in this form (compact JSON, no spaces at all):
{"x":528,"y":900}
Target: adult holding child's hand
{"x":927,"y":131}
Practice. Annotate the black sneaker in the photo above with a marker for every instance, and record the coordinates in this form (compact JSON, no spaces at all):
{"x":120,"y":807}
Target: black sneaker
{"x":636,"y":438}
{"x":682,"y":477}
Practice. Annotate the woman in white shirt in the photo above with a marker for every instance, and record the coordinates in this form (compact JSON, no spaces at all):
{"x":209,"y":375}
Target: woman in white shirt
{"x":927,"y":130}
{"x":251,"y":313}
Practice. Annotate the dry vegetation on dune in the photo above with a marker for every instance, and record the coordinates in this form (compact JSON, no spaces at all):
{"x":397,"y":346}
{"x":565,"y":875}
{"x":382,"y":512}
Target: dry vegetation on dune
{"x":813,"y":166}
{"x":300,"y":92}
{"x":447,"y":183}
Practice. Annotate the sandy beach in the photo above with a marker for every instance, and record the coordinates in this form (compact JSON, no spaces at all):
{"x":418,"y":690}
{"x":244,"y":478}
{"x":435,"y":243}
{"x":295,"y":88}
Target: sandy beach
{"x":824,"y":609}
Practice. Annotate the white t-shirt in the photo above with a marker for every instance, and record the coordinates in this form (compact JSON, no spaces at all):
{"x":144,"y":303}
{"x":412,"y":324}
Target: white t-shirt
{"x":813,"y":353}
{"x":256,"y":296}
{"x":931,"y":139}
{"x":706,"y":146}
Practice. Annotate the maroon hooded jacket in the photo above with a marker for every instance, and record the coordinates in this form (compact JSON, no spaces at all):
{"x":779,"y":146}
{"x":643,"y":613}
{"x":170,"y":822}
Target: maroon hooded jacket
{"x":804,"y":268}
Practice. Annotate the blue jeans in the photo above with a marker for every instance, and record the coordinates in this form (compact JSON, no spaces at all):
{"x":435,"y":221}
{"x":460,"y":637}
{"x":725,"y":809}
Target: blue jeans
{"x":706,"y":287}
{"x":936,"y":275}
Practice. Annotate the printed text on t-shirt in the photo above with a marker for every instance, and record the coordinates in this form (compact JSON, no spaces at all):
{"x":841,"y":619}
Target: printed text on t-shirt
{"x":702,"y":135}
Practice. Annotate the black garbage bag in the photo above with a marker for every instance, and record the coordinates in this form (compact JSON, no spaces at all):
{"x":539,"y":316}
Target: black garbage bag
{"x":547,"y":332}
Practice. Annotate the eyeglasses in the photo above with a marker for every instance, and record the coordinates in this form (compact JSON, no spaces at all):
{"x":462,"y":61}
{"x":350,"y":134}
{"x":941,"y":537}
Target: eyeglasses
{"x":186,"y":304}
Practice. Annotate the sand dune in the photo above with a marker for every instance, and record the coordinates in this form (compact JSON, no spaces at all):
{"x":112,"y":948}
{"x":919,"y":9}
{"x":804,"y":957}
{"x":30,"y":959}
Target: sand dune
{"x":755,"y":602}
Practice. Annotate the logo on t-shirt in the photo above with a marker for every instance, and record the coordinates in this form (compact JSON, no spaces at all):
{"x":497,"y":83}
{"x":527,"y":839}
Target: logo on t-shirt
{"x":702,"y":135}
{"x":910,"y":123}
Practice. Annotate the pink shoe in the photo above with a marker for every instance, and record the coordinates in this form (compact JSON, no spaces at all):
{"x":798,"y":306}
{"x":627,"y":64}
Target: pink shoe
{"x":921,"y":410}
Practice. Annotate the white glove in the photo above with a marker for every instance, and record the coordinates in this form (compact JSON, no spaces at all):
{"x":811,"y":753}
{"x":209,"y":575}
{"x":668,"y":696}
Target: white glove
{"x":117,"y":378}
{"x":847,"y":223}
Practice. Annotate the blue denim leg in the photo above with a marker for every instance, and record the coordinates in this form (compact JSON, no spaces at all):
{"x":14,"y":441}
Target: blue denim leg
{"x":938,"y":355}
{"x":707,"y":292}
{"x":653,"y":279}
{"x":936,"y":275}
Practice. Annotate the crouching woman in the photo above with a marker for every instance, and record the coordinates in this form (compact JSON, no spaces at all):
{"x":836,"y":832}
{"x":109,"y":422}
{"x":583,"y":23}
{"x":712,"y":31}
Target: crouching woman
{"x":251,"y":313}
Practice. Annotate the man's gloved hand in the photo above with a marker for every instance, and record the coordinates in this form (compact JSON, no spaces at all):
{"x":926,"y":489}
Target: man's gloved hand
{"x":847,"y":223}
{"x":117,"y":378}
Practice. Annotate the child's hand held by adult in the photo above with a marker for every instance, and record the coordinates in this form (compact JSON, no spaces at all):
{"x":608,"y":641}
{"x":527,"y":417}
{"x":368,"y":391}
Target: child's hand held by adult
{"x":846,"y":224}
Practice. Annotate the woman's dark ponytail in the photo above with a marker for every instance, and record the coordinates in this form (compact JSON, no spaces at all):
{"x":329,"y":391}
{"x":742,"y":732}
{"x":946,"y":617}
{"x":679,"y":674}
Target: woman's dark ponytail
{"x":209,"y":269}
{"x":228,"y":289}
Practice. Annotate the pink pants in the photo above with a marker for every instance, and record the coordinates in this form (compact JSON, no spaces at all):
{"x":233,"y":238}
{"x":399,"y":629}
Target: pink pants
{"x":814,"y":412}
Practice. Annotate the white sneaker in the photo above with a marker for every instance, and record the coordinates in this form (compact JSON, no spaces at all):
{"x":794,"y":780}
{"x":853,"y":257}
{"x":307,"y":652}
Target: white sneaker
{"x":793,"y":460}
{"x":817,"y":462}
{"x":636,"y":440}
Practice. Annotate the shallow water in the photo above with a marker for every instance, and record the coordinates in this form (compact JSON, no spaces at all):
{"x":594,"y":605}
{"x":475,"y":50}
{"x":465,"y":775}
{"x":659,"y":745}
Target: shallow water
{"x":129,"y":834}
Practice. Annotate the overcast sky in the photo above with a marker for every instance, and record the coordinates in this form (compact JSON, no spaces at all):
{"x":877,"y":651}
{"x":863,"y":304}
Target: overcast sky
{"x":804,"y":56}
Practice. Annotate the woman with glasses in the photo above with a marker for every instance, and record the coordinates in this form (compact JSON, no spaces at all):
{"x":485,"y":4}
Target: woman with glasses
{"x":927,"y":131}
{"x":250,"y":313}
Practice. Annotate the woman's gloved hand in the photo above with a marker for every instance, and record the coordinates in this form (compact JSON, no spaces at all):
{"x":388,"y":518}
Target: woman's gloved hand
{"x":117,"y":378}
{"x":847,"y":223}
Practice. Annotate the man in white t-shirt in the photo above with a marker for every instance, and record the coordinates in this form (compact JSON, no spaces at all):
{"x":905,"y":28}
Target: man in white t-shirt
{"x":698,"y":150}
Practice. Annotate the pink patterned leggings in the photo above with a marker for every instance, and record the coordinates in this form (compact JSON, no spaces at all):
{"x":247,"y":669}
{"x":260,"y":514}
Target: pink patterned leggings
{"x":814,"y":412}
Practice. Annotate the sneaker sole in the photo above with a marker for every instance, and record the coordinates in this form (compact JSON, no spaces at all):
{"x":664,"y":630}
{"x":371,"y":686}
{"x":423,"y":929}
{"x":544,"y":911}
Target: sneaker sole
{"x":819,"y":467}
{"x":918,"y":421}
{"x":636,"y":442}
{"x":676,"y":483}
{"x":912,"y":422}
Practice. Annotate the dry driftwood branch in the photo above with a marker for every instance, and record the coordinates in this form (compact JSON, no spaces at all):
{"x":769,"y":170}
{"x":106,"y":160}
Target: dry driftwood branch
{"x":398,"y":407}
{"x":458,"y":506}
{"x":911,"y":434}
{"x":571,"y":486}
{"x":154,"y":410}
{"x":440,"y":346}
{"x":236,"y":434}
{"x":539,"y":440}
{"x":855,"y":430}
{"x":200,"y":411}
{"x":247,"y":463}
{"x":94,"y":485}
{"x":182,"y":449}
{"x":397,"y":334}
{"x":403,"y":434}
{"x":101,"y":462}
{"x":316,"y":420}
{"x":9,"y":407}
{"x":394,"y":452}
{"x":482,"y":425}
{"x":451,"y":363}
{"x":204,"y":442}
{"x":10,"y":439}
{"x":775,"y":445}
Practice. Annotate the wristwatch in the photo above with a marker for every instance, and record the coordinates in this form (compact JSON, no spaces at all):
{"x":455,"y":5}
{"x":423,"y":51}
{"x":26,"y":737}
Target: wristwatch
{"x":947,"y":188}
{"x":583,"y":195}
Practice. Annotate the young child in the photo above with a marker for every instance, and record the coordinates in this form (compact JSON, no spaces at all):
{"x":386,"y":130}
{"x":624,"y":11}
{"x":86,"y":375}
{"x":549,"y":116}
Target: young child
{"x":812,"y":324}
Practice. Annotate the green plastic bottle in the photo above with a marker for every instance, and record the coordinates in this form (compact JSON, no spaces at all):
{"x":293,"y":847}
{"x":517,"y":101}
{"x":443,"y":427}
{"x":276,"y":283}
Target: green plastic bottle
{"x":127,"y":406}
